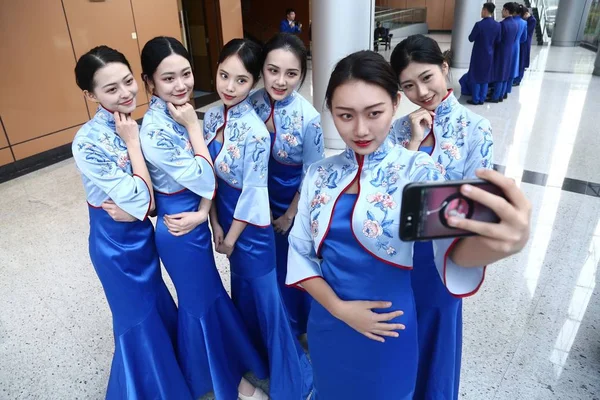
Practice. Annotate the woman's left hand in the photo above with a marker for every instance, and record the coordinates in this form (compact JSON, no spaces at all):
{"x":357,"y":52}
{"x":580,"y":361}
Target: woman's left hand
{"x":282,"y":224}
{"x":183,"y":223}
{"x":510,"y":235}
{"x":226,"y":248}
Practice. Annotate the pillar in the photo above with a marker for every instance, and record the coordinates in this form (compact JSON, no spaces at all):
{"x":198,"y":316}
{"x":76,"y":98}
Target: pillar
{"x":337,"y":30}
{"x":466,"y":14}
{"x":570,"y":15}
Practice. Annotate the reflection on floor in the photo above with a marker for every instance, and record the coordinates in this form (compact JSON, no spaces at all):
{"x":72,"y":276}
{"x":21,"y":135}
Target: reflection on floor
{"x":533,"y":331}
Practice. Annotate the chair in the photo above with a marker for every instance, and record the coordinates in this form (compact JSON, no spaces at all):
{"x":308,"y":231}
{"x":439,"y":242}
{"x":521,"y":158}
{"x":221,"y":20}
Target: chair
{"x":383,"y":37}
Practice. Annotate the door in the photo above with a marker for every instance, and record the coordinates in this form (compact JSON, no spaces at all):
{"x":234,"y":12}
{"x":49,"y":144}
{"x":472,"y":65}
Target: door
{"x":201,"y":20}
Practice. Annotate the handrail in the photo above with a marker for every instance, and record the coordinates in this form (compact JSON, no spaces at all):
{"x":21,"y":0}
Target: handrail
{"x":402,"y":16}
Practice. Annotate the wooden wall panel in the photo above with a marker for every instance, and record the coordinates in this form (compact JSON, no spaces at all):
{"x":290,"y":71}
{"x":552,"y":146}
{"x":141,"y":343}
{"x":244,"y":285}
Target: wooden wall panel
{"x":449,"y":15}
{"x":109,"y":23}
{"x":435,"y":14}
{"x":231,"y":19}
{"x":416,"y":3}
{"x":49,"y":142}
{"x":37,"y":60}
{"x":139,"y":111}
{"x":156,"y":18}
{"x":399,"y":4}
{"x":6,"y":157}
{"x":3,"y":140}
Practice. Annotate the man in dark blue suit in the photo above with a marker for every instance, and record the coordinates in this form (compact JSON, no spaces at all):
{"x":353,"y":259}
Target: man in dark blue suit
{"x":525,"y":52}
{"x":520,"y":40}
{"x":289,"y":24}
{"x":503,"y":55}
{"x":486,"y":35}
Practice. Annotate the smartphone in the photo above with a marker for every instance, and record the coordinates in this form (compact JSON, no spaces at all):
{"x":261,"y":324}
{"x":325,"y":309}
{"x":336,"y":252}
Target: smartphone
{"x":426,"y":207}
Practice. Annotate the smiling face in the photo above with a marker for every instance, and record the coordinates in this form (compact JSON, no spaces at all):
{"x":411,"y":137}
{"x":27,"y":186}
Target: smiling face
{"x":234,"y":82}
{"x":173,"y":80}
{"x":114,"y":88}
{"x":362,"y":114}
{"x":425,"y":84}
{"x":282,"y":72}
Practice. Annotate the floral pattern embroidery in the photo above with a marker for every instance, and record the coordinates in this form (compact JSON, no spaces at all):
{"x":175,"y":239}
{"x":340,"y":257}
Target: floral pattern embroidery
{"x":212,"y":122}
{"x":327,"y":178}
{"x":452,"y":129}
{"x":381,"y":203}
{"x":289,"y":135}
{"x":234,"y":151}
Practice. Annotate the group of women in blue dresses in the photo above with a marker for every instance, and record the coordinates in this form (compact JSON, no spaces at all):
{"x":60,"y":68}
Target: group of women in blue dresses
{"x":381,"y":321}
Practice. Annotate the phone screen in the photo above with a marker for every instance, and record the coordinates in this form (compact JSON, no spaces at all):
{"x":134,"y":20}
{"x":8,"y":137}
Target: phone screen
{"x":443,"y":202}
{"x":427,"y":206}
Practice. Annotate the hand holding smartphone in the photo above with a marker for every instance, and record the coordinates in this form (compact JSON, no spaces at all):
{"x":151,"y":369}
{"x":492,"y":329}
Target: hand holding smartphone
{"x":427,"y":206}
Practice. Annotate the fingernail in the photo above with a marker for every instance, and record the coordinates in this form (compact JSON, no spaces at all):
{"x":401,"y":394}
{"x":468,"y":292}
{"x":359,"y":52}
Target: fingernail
{"x":396,"y":334}
{"x":403,"y":327}
{"x":452,"y":221}
{"x":467,"y":188}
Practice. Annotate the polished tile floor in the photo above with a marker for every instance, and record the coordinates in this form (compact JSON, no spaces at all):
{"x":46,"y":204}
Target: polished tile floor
{"x":532,"y":332}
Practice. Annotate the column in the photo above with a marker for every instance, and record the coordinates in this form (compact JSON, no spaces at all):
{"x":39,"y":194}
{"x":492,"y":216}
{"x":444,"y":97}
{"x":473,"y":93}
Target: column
{"x":597,"y":64}
{"x":570,"y":15}
{"x":337,"y":30}
{"x":466,"y":14}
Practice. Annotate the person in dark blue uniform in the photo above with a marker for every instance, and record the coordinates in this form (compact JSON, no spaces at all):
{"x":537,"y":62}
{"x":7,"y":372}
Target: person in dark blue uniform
{"x":525,"y":53}
{"x":503,"y":54}
{"x":520,"y":40}
{"x":486,"y":34}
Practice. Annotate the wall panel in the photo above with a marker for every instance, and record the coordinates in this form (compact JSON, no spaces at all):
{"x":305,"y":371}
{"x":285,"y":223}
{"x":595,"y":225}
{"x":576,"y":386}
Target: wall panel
{"x":231,"y":19}
{"x":156,"y":18}
{"x":37,"y":60}
{"x":109,"y":23}
{"x":449,"y":15}
{"x":435,"y":14}
{"x":6,"y":157}
{"x":49,"y":142}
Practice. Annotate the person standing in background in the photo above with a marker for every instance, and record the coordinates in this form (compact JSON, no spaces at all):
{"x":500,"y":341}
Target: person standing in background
{"x":503,"y":53}
{"x":486,"y":34}
{"x":520,"y":40}
{"x":289,"y":24}
{"x":525,"y":53}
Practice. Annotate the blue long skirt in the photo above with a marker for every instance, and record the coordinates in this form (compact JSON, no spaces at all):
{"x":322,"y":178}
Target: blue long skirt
{"x":255,"y":293}
{"x":348,"y":365}
{"x":215,"y":349}
{"x":439,"y":318}
{"x":144,"y":315}
{"x":284,"y":183}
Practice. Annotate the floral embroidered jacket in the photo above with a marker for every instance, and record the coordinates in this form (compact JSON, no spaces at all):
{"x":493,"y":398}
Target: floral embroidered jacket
{"x":462,"y":139}
{"x":171,"y":161}
{"x":375,"y":217}
{"x":298,"y":139}
{"x":244,"y":158}
{"x":101,"y":157}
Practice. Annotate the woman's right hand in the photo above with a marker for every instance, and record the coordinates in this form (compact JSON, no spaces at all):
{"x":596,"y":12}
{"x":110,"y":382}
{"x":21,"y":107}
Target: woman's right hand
{"x":127,"y":129}
{"x":117,"y":213}
{"x":421,"y":121}
{"x":359,"y":316}
{"x":185,"y":114}
{"x":218,"y":234}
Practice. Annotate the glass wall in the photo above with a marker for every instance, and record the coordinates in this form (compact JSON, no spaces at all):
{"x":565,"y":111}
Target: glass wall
{"x":591,"y":34}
